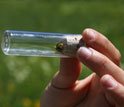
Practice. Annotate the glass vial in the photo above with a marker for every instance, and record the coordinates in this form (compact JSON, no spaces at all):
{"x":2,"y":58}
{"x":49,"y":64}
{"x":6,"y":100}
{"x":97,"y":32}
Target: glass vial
{"x":40,"y":43}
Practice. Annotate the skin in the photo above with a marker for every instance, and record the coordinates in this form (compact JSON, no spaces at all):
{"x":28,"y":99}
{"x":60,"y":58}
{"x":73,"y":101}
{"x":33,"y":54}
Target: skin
{"x":103,"y":88}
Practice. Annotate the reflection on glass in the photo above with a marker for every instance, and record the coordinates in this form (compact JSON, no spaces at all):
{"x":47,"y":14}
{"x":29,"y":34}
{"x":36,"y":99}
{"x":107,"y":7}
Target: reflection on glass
{"x":40,"y":44}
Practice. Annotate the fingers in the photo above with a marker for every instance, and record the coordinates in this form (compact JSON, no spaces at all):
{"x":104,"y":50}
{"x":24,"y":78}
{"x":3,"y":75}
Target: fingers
{"x":100,"y":43}
{"x":70,"y":69}
{"x":100,"y":64}
{"x":59,"y":97}
{"x":113,"y":88}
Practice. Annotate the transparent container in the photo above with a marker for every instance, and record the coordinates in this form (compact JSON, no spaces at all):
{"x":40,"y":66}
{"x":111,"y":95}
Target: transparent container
{"x":26,"y":43}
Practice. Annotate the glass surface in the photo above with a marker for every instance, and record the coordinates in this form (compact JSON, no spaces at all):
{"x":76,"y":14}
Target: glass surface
{"x":40,"y":44}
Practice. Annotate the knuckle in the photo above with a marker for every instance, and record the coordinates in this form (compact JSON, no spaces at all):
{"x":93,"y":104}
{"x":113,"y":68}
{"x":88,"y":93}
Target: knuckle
{"x":103,"y":63}
{"x":106,"y":43}
{"x":118,"y":56}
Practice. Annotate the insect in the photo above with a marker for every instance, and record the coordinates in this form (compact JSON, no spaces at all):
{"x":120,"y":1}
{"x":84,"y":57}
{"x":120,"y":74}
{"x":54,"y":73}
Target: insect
{"x":59,"y":46}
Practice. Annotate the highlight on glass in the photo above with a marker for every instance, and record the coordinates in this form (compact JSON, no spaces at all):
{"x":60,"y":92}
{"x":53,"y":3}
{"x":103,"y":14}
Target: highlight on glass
{"x":26,"y":43}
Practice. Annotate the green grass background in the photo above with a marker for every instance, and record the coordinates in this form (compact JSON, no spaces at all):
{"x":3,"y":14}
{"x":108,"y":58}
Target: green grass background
{"x":23,"y":79}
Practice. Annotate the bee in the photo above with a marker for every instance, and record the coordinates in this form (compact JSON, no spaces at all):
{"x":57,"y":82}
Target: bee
{"x":59,"y":46}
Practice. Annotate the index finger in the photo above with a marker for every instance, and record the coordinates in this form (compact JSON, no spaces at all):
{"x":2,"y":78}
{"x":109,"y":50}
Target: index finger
{"x":100,"y":64}
{"x":100,"y":43}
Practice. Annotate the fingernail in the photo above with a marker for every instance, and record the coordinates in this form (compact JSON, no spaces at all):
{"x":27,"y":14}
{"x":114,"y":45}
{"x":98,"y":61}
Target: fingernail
{"x":109,"y":83}
{"x":83,"y":52}
{"x":90,"y":34}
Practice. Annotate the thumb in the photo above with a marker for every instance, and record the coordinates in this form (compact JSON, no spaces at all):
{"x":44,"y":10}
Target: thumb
{"x":70,"y":69}
{"x":114,"y":90}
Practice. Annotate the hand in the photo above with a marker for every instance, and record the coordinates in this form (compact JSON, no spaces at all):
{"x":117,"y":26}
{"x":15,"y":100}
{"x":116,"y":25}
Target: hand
{"x":104,"y":88}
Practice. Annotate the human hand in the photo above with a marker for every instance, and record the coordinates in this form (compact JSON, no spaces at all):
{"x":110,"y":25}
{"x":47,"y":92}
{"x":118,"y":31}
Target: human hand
{"x":94,"y":91}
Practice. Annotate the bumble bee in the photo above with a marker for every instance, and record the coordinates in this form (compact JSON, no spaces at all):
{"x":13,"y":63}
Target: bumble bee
{"x":59,"y":46}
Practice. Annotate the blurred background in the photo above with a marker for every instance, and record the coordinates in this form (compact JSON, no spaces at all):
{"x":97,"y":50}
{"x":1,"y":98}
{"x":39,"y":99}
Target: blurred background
{"x":23,"y":79}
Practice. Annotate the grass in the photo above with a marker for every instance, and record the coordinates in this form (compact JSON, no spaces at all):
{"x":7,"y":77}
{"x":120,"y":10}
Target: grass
{"x":23,"y":79}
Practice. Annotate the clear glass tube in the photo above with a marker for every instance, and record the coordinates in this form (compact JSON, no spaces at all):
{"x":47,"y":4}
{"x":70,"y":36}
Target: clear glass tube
{"x":40,"y":44}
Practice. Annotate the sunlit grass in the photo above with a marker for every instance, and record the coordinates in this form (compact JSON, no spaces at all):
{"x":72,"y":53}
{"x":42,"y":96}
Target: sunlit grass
{"x":23,"y":79}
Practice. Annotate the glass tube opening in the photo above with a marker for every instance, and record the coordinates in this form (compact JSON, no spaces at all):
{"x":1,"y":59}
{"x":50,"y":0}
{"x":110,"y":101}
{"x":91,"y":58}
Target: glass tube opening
{"x":6,"y":43}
